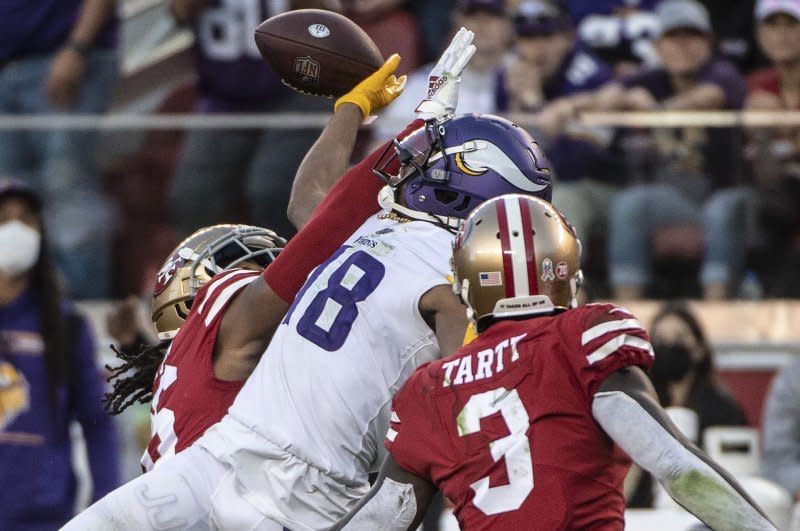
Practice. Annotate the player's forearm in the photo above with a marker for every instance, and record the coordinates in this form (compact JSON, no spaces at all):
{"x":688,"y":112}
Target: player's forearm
{"x":92,"y":18}
{"x":781,"y":448}
{"x":325,"y":162}
{"x":688,"y":476}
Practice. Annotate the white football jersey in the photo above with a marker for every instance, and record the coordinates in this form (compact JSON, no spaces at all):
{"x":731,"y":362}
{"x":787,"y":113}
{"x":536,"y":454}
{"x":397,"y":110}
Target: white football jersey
{"x":323,"y":389}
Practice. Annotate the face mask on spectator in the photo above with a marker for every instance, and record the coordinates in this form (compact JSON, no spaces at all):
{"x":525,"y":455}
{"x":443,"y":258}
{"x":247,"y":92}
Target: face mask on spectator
{"x":672,"y":362}
{"x":19,"y":247}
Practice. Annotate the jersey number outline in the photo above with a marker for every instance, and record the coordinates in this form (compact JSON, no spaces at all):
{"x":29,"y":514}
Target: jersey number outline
{"x":515,"y":447}
{"x":226,"y":31}
{"x":330,"y":315}
{"x":162,"y":421}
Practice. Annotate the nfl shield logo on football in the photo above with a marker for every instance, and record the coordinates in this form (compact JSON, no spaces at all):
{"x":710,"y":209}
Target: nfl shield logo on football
{"x":306,"y":71}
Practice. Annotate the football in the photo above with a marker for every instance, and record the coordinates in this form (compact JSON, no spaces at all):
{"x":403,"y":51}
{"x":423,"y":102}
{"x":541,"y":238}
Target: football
{"x":317,"y":52}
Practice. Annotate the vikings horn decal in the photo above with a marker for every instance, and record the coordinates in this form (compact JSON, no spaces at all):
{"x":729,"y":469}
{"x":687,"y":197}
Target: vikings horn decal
{"x":14,"y":394}
{"x":492,"y":157}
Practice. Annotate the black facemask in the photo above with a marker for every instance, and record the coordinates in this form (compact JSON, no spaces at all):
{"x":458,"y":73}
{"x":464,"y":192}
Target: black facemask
{"x":673,"y":361}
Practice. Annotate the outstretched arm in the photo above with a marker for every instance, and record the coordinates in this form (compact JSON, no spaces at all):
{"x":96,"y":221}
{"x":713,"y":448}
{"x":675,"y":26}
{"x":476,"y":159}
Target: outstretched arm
{"x":328,"y":158}
{"x":627,"y":410}
{"x":398,"y":501}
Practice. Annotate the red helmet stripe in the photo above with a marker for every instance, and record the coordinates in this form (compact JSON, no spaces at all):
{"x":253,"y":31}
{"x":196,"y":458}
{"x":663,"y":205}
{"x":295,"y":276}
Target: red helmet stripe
{"x":530,"y":250}
{"x":505,"y":242}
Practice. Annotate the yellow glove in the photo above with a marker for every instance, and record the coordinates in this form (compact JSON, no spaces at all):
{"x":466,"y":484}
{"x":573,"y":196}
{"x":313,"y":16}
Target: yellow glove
{"x":378,"y":90}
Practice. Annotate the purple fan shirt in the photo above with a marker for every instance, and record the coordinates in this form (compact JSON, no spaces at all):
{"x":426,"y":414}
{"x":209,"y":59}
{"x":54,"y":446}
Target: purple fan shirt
{"x":232,"y":75}
{"x":718,"y":147}
{"x":574,"y":158}
{"x":617,"y":30}
{"x":39,"y":486}
{"x":40,"y":27}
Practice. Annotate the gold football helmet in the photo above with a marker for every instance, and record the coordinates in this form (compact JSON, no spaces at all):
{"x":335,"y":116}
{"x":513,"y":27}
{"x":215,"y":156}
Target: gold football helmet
{"x":198,"y":258}
{"x":516,"y":255}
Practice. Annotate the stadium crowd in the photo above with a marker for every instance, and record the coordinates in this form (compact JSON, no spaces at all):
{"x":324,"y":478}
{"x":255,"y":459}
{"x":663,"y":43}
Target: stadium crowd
{"x":700,"y":212}
{"x":679,"y":211}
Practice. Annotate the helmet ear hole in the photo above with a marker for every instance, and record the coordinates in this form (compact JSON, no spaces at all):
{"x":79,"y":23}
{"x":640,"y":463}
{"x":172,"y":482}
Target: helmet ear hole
{"x":445,"y":196}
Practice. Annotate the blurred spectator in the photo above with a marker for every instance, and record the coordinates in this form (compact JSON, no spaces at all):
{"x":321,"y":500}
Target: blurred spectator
{"x":48,"y":378}
{"x":391,"y":26}
{"x":689,"y":168}
{"x":781,"y":453}
{"x":683,"y":377}
{"x":59,"y":56}
{"x":774,"y":151}
{"x":493,"y":36}
{"x":254,"y":167}
{"x":548,"y":65}
{"x":733,"y":28}
{"x":621,"y":32}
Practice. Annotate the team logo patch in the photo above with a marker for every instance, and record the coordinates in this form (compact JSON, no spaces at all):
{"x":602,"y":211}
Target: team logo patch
{"x":306,"y":72}
{"x":319,"y":31}
{"x":165,"y":275}
{"x":547,"y":270}
{"x":490,"y":278}
{"x":14,"y":394}
{"x":562,"y":270}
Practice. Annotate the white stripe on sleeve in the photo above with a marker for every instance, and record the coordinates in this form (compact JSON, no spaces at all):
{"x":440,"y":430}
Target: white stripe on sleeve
{"x":609,"y":326}
{"x":225,"y":296}
{"x":217,"y":282}
{"x":614,"y":344}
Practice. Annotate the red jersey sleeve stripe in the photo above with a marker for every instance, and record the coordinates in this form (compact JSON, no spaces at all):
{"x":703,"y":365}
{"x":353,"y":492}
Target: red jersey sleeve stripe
{"x":226,"y":294}
{"x":616,"y":343}
{"x":221,"y":280}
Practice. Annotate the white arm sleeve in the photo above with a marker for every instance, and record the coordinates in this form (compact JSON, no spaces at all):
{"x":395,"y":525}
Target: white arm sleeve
{"x":686,"y":477}
{"x":392,"y":508}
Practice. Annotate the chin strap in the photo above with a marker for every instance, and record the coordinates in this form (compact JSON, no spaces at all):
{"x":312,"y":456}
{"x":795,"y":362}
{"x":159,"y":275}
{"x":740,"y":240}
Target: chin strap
{"x":386,"y":199}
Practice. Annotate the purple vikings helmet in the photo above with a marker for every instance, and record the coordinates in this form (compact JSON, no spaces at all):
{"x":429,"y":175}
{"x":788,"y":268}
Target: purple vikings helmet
{"x":448,"y":169}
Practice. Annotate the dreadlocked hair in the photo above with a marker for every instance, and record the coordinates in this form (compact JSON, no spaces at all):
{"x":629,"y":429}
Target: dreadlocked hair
{"x":138,"y":386}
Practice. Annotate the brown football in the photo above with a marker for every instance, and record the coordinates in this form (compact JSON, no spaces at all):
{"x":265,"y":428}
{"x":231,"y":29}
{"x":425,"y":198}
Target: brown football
{"x":317,"y":52}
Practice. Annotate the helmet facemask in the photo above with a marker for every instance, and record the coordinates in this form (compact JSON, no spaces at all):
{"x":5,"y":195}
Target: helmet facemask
{"x":242,"y":244}
{"x":197,"y":259}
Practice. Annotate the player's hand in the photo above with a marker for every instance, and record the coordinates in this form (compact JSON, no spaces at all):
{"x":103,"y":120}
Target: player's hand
{"x":378,"y":90}
{"x":65,"y":77}
{"x":444,"y":79}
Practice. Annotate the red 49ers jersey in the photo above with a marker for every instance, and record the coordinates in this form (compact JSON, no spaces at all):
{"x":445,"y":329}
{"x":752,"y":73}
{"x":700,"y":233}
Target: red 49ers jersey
{"x":504,"y":427}
{"x":187,"y":397}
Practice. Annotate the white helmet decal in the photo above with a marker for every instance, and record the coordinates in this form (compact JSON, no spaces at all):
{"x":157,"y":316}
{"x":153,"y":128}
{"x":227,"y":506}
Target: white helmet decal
{"x":476,"y":157}
{"x":490,"y":156}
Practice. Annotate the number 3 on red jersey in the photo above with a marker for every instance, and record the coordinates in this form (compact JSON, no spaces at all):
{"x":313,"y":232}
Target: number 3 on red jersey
{"x":515,"y":447}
